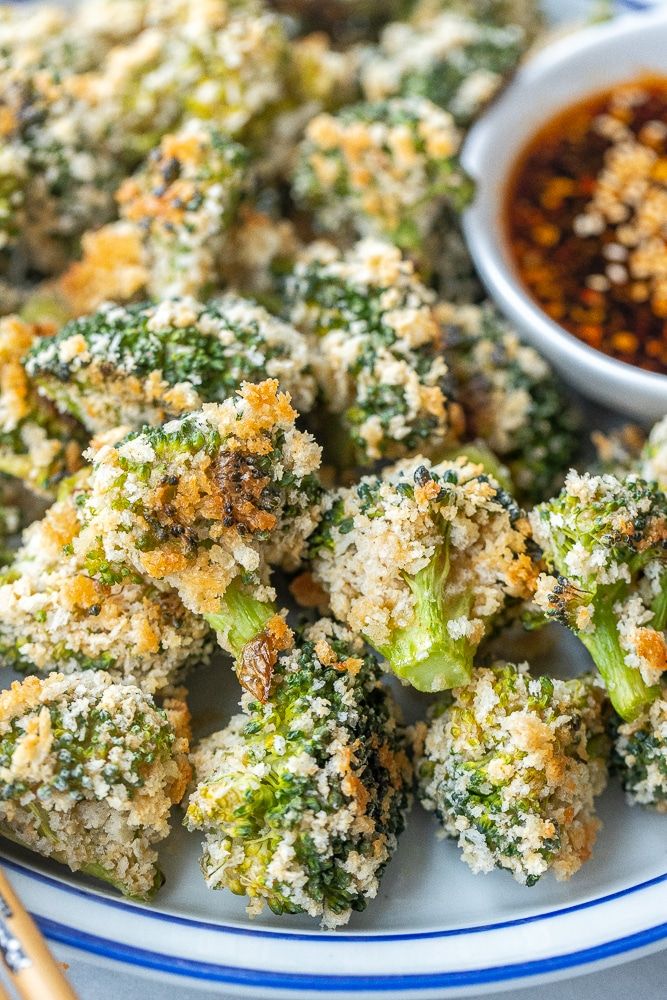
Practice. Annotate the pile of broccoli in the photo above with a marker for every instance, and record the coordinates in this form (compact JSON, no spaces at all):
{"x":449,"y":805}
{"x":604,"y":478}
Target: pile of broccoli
{"x":365,"y":433}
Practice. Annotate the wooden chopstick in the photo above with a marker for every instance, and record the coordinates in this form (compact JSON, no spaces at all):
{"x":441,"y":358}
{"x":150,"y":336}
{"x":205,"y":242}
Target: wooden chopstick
{"x":31,"y":967}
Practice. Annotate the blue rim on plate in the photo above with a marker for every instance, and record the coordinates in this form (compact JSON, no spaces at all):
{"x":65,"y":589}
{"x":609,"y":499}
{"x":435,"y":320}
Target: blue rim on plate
{"x":244,"y":977}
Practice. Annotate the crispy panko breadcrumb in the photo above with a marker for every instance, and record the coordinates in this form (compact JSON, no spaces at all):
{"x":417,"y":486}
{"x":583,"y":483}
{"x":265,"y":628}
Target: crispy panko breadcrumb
{"x":55,"y":615}
{"x":146,"y":363}
{"x":420,"y":561}
{"x":37,"y":445}
{"x":377,"y":353}
{"x":511,"y":765}
{"x":302,"y":799}
{"x":89,"y":771}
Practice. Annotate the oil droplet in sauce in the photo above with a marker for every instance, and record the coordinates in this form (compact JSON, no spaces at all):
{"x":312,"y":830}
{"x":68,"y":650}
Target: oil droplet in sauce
{"x":586,"y":221}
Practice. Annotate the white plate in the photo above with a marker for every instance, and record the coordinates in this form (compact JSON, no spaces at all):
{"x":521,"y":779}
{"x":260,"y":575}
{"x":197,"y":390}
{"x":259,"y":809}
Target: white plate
{"x":435,"y":931}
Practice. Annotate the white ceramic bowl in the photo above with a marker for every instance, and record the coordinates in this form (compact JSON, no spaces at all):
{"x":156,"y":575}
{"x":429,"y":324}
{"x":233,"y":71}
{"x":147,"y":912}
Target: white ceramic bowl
{"x":562,"y":73}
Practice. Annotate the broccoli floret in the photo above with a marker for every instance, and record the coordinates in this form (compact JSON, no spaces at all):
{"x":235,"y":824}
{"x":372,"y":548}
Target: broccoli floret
{"x":653,"y":457}
{"x":143,"y":364}
{"x":511,"y":764}
{"x":421,"y":561}
{"x":212,"y":499}
{"x":183,"y":200}
{"x":57,"y":616}
{"x":606,"y":541}
{"x":640,"y":755}
{"x":346,"y":21}
{"x":382,"y":169}
{"x":377,"y":353}
{"x":511,"y":398}
{"x":37,"y":444}
{"x":618,"y":452}
{"x":303,"y":798}
{"x":89,"y":771}
{"x":10,"y":517}
{"x":457,"y":62}
{"x":525,"y":14}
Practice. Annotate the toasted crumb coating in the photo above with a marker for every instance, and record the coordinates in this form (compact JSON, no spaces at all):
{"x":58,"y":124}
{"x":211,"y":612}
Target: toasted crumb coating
{"x":605,"y":539}
{"x":37,"y":445}
{"x":640,"y":756}
{"x":376,"y":536}
{"x":653,"y":459}
{"x":56,"y":616}
{"x":526,"y":14}
{"x":89,"y":771}
{"x":511,"y":766}
{"x":70,"y":134}
{"x":183,"y":200}
{"x":347,"y":21}
{"x":302,"y":799}
{"x":224,"y":492}
{"x":511,"y":397}
{"x":382,"y":169}
{"x":377,"y":350}
{"x":146,"y":363}
{"x":618,"y":451}
{"x":458,"y":62}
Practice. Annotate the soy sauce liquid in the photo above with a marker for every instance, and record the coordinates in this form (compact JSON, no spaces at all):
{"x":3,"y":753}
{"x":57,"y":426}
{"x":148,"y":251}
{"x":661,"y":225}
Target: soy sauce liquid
{"x":567,"y":274}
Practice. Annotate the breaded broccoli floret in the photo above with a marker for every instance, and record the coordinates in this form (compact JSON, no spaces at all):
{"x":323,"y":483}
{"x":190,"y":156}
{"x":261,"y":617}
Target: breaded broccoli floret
{"x":207,"y":504}
{"x":618,"y":452}
{"x":89,"y":771}
{"x":345,"y":20}
{"x":526,"y":14}
{"x":10,"y":516}
{"x":382,"y":169}
{"x":421,"y":561}
{"x":640,"y":755}
{"x":457,"y":62}
{"x":145,"y":363}
{"x":377,"y":353}
{"x":605,"y":541}
{"x":511,"y":764}
{"x":653,"y":458}
{"x":37,"y":444}
{"x":512,"y":399}
{"x":56,"y":616}
{"x":176,"y":210}
{"x":302,"y":799}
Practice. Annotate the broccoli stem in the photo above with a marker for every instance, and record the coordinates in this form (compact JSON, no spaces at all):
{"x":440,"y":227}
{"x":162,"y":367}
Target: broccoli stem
{"x":659,"y":606}
{"x":424,"y":653}
{"x":627,"y":690}
{"x":241,"y":618}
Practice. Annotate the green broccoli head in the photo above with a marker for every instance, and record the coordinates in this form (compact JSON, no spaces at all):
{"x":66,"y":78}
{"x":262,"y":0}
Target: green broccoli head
{"x":382,"y":169}
{"x":653,"y":457}
{"x":57,"y":616}
{"x":605,"y":539}
{"x":511,"y":398}
{"x":511,"y":763}
{"x":302,"y":798}
{"x":183,"y":200}
{"x":146,"y":363}
{"x":640,"y":755}
{"x":422,"y":561}
{"x":376,"y":353}
{"x":455,"y":61}
{"x":88,"y":773}
{"x":205,"y":502}
{"x":37,"y":444}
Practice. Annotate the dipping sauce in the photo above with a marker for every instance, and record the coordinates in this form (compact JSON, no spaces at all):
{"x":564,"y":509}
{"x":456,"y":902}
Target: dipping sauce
{"x":586,"y":219}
